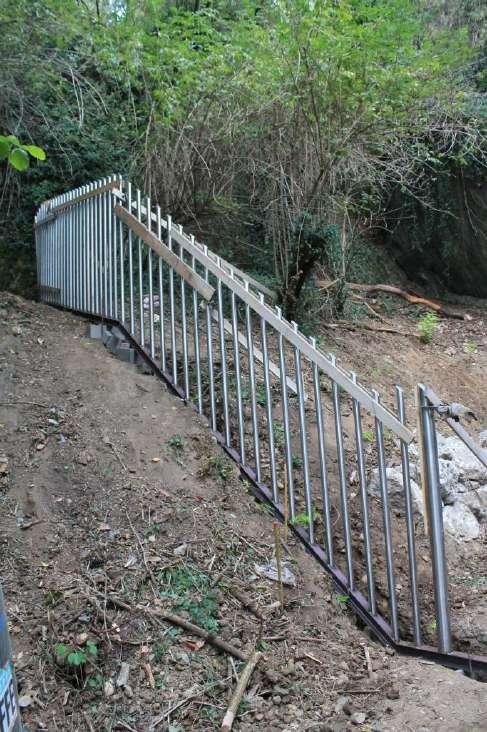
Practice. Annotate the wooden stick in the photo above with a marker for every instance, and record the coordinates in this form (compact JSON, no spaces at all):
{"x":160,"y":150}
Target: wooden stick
{"x":277,"y":542}
{"x":244,"y":679}
{"x":409,"y":297}
{"x":286,"y":506}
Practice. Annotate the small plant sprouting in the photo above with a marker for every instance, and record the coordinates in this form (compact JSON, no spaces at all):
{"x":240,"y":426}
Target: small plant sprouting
{"x":297,"y":461}
{"x":342,"y":600}
{"x":302,"y":519}
{"x":76,"y":656}
{"x":278,"y":431}
{"x":218,"y":468}
{"x":176,"y":443}
{"x":260,"y":395}
{"x":427,"y":326}
{"x":368,"y":435}
{"x":470,"y":347}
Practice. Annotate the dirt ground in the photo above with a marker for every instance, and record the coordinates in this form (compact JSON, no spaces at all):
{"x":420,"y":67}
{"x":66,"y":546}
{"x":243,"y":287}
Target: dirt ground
{"x":117,"y":504}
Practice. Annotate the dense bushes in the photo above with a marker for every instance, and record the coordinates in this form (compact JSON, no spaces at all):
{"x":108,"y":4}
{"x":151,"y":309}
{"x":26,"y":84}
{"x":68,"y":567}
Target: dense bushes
{"x":241,"y":118}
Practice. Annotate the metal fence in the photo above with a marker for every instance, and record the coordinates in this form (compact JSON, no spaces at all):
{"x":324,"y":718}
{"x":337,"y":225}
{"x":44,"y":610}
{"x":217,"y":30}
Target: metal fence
{"x":313,"y":441}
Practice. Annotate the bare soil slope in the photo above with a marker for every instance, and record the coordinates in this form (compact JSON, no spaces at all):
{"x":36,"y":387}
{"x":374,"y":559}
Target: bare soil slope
{"x":112,"y":488}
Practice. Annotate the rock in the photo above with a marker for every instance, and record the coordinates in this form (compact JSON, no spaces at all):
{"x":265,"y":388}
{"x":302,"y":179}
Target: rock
{"x":459,"y":522}
{"x":109,"y":688}
{"x":358,"y":718}
{"x":341,"y":703}
{"x":395,"y":490}
{"x":392,"y":692}
{"x":452,"y":449}
{"x":180,"y":550}
{"x":483,"y":438}
{"x":476,"y":500}
{"x":123,"y":674}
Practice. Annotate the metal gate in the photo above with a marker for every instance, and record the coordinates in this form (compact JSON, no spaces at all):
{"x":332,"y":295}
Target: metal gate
{"x":313,"y":441}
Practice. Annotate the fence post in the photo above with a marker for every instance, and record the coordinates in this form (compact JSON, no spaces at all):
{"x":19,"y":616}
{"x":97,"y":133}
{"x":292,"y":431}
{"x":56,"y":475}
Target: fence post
{"x":434,"y":513}
{"x":9,"y":708}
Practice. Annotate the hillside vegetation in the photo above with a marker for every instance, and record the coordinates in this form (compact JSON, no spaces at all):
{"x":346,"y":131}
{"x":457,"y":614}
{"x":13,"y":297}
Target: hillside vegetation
{"x":284,"y":133}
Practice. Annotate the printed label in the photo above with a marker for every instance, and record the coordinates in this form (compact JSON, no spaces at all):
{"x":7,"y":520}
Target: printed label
{"x":8,"y":702}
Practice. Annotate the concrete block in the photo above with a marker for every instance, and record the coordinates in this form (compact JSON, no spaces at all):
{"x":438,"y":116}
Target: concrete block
{"x":95,"y":331}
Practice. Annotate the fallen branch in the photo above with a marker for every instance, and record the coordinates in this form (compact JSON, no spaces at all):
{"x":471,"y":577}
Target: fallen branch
{"x":438,"y":307}
{"x":343,"y":324}
{"x":242,"y":683}
{"x":215,"y":640}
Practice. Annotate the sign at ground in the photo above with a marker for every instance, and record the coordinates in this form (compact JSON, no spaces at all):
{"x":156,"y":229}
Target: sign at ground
{"x":8,"y":702}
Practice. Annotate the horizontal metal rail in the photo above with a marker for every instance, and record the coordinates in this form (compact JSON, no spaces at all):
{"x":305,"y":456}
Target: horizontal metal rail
{"x":159,"y":248}
{"x":458,"y":429}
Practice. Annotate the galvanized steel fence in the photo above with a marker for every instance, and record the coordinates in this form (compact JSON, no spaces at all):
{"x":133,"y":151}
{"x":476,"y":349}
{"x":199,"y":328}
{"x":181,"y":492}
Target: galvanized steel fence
{"x":307,"y":434}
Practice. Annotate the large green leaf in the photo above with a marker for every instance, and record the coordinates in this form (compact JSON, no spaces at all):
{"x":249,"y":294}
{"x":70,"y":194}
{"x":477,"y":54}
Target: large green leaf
{"x":36,"y":152}
{"x":19,"y":159}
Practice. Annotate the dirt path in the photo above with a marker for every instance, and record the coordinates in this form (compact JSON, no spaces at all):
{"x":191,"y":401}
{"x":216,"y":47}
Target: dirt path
{"x":112,"y":486}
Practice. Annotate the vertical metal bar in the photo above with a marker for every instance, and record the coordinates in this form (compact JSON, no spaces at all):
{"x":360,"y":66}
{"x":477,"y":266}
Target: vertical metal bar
{"x":141,"y":277}
{"x":151,"y":288}
{"x":285,"y":420}
{"x":131,"y":264}
{"x":268,"y":399}
{"x":323,"y":470}
{"x":304,"y":440}
{"x":121,"y":257}
{"x":197,"y":339}
{"x":253,"y":397}
{"x":115,"y":250}
{"x":91,"y":223}
{"x":162,"y":335}
{"x":342,"y":479}
{"x":435,"y":521}
{"x":209,"y":349}
{"x":413,"y":574}
{"x":100,"y":260}
{"x":386,"y":519}
{"x":106,"y":251}
{"x":221,"y":330}
{"x":184,"y":328}
{"x":171,"y":305}
{"x":238,"y":383}
{"x":357,"y":419}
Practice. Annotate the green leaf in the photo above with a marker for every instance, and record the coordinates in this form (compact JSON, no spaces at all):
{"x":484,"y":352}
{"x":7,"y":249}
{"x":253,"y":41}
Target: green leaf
{"x":76,"y":658}
{"x":61,"y":650}
{"x":18,"y":159}
{"x":4,"y":148}
{"x":91,"y":648}
{"x":36,"y":152}
{"x":13,"y":140}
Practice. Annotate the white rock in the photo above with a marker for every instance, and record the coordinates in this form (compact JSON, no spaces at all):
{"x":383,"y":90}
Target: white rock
{"x":476,"y":500}
{"x":483,"y":438}
{"x":395,"y":490}
{"x":459,"y":522}
{"x":469,"y":467}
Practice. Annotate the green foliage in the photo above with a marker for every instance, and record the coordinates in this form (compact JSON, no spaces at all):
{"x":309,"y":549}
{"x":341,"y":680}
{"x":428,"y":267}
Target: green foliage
{"x":176,"y":443}
{"x":281,"y":124}
{"x":17,"y":154}
{"x":368,"y":435}
{"x":189,"y":588}
{"x":427,"y":326}
{"x":302,"y":519}
{"x":76,"y":656}
{"x":218,"y":468}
